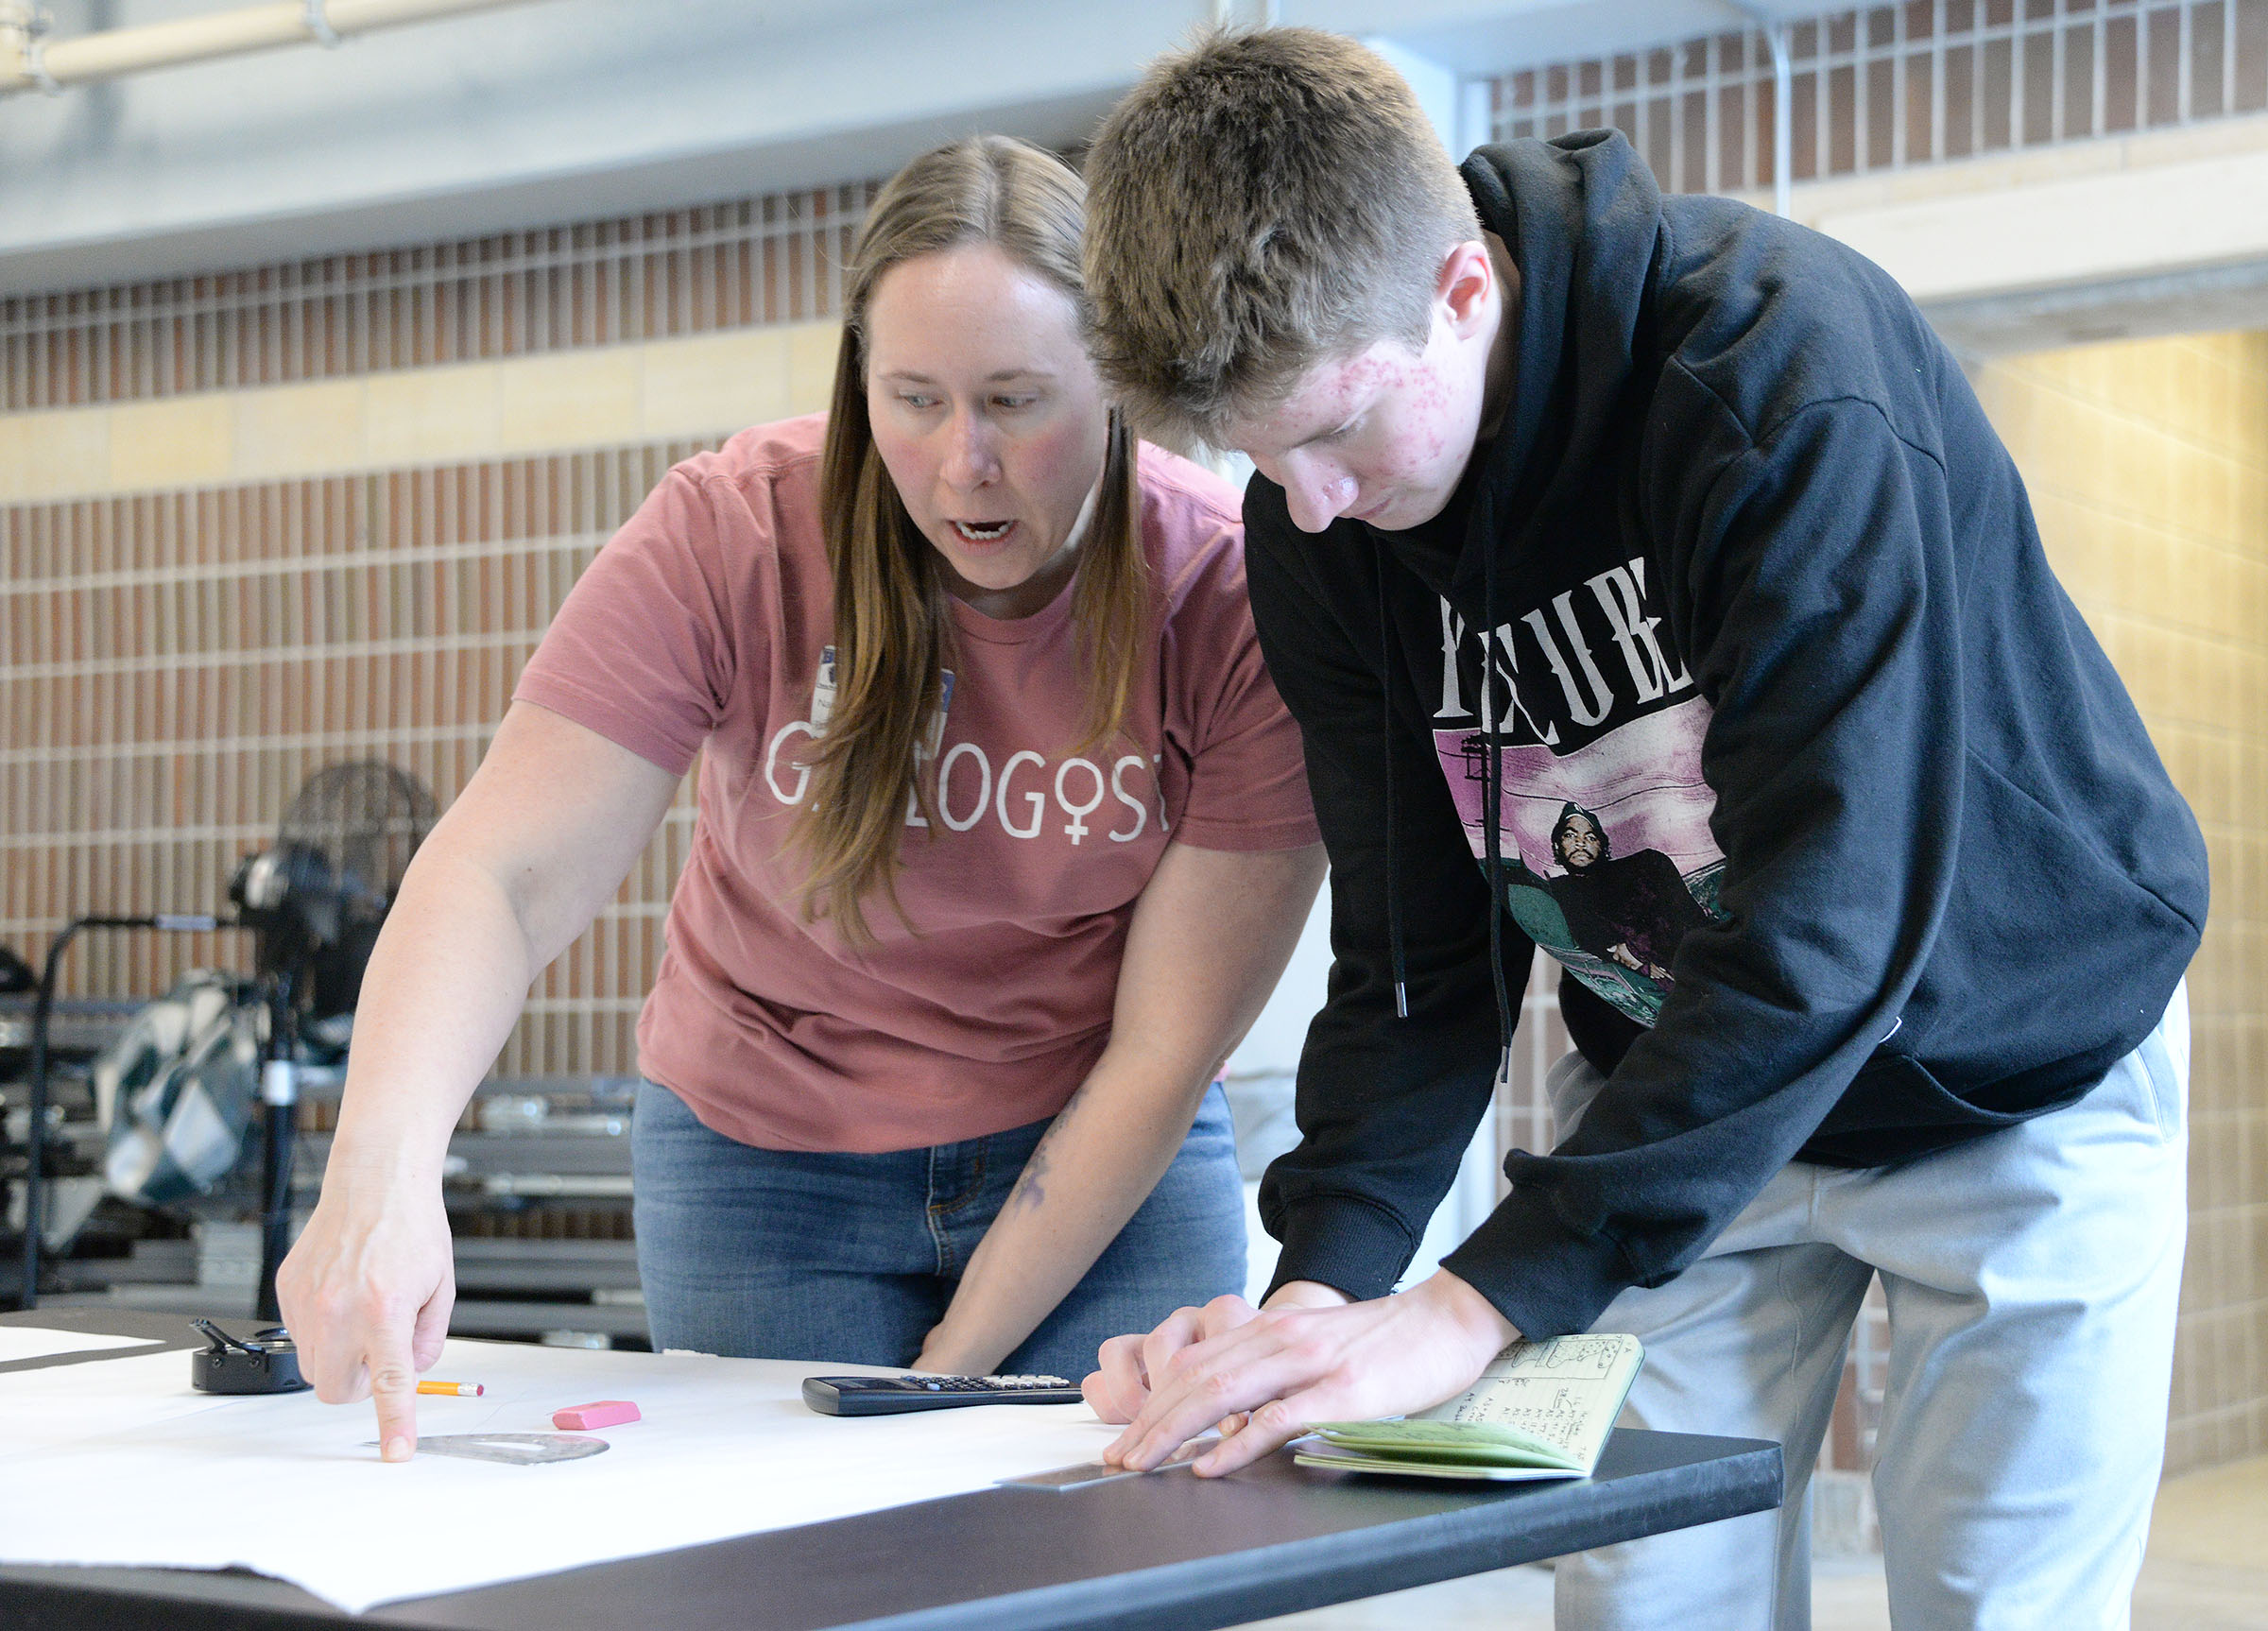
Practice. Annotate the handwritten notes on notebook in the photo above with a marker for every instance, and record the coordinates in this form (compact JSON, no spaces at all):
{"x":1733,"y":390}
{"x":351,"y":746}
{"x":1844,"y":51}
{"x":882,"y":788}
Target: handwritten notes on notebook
{"x":1541,"y":1409}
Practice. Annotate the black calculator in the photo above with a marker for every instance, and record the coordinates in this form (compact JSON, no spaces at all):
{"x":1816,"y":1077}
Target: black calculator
{"x":889,"y":1395}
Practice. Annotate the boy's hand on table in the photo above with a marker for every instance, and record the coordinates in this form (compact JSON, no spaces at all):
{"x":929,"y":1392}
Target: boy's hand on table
{"x":1264,"y":1376}
{"x":1120,"y":1387}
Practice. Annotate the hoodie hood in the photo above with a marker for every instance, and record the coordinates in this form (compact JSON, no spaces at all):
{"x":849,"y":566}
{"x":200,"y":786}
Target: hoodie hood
{"x":1581,"y":218}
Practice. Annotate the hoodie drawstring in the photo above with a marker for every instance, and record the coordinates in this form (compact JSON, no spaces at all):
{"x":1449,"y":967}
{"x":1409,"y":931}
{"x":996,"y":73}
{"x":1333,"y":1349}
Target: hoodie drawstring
{"x":1491,"y":814}
{"x":1492,"y":818}
{"x":1385,"y":748}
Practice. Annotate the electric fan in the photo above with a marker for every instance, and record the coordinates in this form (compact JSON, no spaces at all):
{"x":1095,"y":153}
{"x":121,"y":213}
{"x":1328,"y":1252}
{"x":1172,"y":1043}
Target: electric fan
{"x":314,"y":901}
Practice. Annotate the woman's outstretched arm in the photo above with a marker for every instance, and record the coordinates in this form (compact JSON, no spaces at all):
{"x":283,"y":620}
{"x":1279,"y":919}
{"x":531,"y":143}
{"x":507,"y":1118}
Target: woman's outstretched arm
{"x":539,"y":840}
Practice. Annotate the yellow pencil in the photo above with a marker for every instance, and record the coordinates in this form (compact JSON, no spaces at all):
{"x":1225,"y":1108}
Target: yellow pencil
{"x":454,"y":1389}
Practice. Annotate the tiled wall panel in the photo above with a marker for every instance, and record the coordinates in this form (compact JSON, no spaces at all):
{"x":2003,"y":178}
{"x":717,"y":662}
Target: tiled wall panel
{"x":2148,"y":467}
{"x":178,"y":655}
{"x":175,"y":665}
{"x":1884,"y":87}
{"x":757,"y":261}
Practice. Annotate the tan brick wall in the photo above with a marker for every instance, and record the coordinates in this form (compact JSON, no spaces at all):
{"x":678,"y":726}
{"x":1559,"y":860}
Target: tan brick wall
{"x":605,"y":396}
{"x":2148,"y":467}
{"x":258,"y":523}
{"x":1879,"y":91}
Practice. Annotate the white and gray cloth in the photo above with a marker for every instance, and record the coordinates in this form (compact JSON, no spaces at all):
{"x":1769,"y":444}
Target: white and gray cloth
{"x":175,"y":1091}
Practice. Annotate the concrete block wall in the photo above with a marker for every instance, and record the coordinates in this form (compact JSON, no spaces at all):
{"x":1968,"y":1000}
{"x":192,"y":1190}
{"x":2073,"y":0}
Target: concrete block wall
{"x":2147,"y":463}
{"x":262,"y":521}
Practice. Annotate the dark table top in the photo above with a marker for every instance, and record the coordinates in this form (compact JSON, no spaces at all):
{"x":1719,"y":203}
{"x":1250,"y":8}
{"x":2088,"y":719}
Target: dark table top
{"x":1170,"y":1550}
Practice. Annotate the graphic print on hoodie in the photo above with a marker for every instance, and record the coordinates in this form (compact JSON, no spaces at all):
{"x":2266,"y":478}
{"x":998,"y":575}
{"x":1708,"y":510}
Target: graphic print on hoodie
{"x":1606,"y":856}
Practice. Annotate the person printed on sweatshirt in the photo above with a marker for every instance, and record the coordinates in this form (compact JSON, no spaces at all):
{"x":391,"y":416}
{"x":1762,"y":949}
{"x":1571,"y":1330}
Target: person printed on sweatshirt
{"x":1629,"y":909}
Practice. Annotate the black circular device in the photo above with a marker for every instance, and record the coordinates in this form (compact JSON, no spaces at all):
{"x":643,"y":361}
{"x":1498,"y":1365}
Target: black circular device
{"x":269,"y":1363}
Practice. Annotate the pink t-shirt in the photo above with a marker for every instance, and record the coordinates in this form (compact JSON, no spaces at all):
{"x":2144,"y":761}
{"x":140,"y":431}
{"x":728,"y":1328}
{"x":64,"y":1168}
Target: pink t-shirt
{"x":698,"y":630}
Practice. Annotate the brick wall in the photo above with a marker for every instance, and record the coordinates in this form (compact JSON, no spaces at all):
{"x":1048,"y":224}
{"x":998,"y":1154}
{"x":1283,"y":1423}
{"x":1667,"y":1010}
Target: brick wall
{"x":2148,"y":467}
{"x":255,"y":523}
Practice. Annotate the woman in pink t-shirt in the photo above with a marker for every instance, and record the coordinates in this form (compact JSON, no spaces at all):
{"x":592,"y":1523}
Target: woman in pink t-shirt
{"x":1002,"y":840}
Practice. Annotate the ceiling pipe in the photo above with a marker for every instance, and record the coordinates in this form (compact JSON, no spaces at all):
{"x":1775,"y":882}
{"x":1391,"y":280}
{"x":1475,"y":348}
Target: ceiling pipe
{"x":1783,"y":140}
{"x":1229,"y":16}
{"x":30,"y":60}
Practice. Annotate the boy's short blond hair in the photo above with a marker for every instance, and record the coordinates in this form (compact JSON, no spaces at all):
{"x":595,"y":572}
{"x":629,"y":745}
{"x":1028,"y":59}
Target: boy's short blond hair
{"x":1261,"y":203}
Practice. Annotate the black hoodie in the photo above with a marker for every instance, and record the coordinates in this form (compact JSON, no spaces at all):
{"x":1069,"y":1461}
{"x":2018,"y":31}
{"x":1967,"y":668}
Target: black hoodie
{"x":1805,"y":767}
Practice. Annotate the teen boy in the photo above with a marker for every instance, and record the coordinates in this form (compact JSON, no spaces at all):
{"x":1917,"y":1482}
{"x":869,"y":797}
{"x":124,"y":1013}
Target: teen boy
{"x":1654,"y":553}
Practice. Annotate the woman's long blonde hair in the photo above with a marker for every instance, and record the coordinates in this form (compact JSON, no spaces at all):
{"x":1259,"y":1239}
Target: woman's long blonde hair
{"x":892,"y":631}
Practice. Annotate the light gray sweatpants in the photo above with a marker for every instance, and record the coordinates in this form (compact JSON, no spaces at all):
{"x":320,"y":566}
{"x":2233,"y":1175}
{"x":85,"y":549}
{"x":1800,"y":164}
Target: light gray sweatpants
{"x":2032,"y":1278}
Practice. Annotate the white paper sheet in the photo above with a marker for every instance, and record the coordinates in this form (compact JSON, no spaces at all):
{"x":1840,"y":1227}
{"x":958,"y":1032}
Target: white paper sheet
{"x":32,"y":1342}
{"x":119,"y":1462}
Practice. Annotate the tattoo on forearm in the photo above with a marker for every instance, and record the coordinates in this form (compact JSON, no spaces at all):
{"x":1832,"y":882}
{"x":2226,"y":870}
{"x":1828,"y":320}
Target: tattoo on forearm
{"x":1031,"y":1184}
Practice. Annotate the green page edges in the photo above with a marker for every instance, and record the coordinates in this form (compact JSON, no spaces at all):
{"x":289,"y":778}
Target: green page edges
{"x":1471,"y":1443}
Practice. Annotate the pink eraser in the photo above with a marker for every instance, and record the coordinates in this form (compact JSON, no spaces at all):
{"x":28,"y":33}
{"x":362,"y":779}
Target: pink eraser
{"x":606,"y":1413}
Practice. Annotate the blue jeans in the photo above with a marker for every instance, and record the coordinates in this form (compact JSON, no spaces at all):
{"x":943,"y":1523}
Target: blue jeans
{"x":851,"y":1258}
